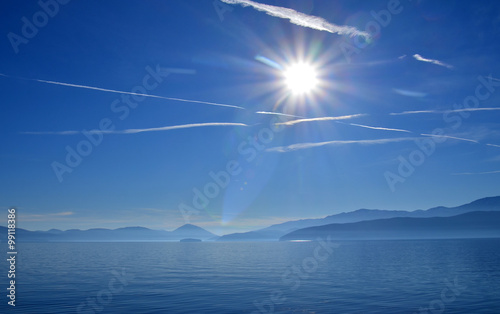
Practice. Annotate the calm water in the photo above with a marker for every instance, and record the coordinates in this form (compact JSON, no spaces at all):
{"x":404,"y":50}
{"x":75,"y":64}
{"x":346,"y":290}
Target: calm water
{"x":450,"y":276}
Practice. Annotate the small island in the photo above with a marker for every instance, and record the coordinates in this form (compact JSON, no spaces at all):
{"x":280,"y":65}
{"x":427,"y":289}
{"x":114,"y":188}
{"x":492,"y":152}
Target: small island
{"x":190,"y":240}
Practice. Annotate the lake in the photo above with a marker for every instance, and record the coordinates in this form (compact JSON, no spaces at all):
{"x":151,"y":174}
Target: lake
{"x":405,"y":276}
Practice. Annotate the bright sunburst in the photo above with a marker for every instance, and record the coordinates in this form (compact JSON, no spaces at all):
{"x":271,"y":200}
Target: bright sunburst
{"x":301,"y":78}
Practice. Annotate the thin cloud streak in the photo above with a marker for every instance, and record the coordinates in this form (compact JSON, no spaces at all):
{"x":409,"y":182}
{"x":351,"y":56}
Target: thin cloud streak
{"x":125,"y":93}
{"x":135,"y":131}
{"x":409,"y":93}
{"x":279,"y":114}
{"x":47,"y":215}
{"x":474,"y":173}
{"x":293,"y":122}
{"x":452,"y":137}
{"x":378,"y":128}
{"x":436,"y":62}
{"x":138,"y":94}
{"x":299,"y":146}
{"x":301,"y":19}
{"x":493,"y":145}
{"x":443,"y":111}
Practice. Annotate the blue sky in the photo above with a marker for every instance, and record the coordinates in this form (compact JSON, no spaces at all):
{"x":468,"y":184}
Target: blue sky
{"x":392,"y":91}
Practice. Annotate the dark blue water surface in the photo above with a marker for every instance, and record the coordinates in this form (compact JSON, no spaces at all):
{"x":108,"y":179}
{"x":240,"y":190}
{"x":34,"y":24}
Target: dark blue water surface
{"x":428,"y":276}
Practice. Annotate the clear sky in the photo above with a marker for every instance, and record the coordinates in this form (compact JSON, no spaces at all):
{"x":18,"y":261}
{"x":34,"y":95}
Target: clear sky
{"x":417,"y":98}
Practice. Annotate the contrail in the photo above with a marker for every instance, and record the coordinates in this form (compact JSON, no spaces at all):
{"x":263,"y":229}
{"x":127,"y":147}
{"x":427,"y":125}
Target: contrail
{"x":493,"y":145}
{"x":415,"y":112}
{"x":377,"y":128}
{"x":134,"y":131}
{"x":474,"y":173}
{"x":293,"y":122}
{"x":299,"y":146}
{"x":436,"y":62}
{"x":125,"y":93}
{"x":279,"y":114}
{"x":301,"y":19}
{"x":443,"y":111}
{"x":451,"y":137}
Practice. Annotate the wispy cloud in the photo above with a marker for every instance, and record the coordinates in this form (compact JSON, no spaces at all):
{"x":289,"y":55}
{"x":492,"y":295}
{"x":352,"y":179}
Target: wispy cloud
{"x":63,"y":214}
{"x":299,"y":146}
{"x":134,"y":131}
{"x":379,"y":128}
{"x":493,"y":145}
{"x":293,"y":122}
{"x":139,"y":94}
{"x":443,"y":111}
{"x":301,"y":19}
{"x":474,"y":173}
{"x":46,"y":217}
{"x":436,"y":62}
{"x":452,"y":137}
{"x":125,"y":93}
{"x":409,"y":93}
{"x":278,"y":114}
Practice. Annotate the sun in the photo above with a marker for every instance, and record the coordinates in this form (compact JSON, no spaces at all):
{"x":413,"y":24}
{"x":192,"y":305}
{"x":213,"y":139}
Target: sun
{"x":301,"y":78}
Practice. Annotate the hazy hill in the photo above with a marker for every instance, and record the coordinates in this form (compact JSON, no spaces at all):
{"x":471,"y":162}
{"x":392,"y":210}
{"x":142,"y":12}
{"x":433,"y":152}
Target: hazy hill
{"x":192,"y":231}
{"x":104,"y":235}
{"x":275,"y":231}
{"x":468,"y":225}
{"x":271,"y":233}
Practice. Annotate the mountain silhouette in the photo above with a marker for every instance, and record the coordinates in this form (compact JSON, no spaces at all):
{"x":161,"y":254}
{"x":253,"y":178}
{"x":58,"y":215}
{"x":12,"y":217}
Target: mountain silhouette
{"x":468,"y":225}
{"x":192,"y":231}
{"x":274,"y":232}
{"x":126,"y":234}
{"x":271,"y":233}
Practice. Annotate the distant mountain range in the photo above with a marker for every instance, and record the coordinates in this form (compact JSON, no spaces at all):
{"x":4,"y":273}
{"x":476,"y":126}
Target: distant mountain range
{"x":274,"y":232}
{"x":127,"y":234}
{"x":469,"y":225}
{"x":480,"y":218}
